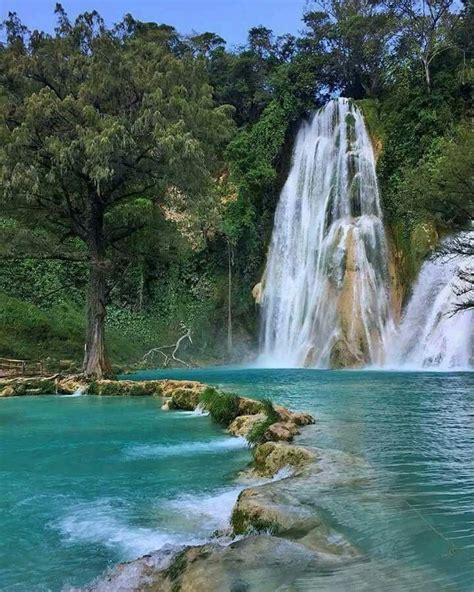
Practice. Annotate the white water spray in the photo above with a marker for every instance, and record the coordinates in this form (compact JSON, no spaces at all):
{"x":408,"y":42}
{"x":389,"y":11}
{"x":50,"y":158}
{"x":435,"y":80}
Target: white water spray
{"x":326,"y":298}
{"x":430,"y":335}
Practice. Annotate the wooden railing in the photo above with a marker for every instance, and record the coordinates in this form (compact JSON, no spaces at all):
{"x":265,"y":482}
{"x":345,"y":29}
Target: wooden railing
{"x":20,"y":367}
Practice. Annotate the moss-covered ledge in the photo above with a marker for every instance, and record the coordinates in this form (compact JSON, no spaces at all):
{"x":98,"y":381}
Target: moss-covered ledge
{"x":67,"y":384}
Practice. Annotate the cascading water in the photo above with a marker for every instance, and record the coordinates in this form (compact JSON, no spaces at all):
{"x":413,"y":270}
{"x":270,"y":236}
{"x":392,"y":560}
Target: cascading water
{"x":326,"y":298}
{"x":430,"y":335}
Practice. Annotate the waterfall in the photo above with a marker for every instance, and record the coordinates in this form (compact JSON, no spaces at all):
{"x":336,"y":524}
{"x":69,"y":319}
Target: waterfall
{"x":430,"y":335}
{"x":326,"y":298}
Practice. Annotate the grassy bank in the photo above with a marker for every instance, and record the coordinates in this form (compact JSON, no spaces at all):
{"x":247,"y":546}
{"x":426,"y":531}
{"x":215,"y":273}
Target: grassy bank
{"x":56,"y":334}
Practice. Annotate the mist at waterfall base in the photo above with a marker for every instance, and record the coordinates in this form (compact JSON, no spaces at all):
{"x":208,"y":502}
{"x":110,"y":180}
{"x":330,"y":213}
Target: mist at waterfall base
{"x":430,"y":334}
{"x":326,"y":297}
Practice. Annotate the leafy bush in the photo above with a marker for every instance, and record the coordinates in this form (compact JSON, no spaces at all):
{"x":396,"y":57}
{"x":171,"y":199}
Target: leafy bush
{"x":222,"y":407}
{"x":256,"y":434}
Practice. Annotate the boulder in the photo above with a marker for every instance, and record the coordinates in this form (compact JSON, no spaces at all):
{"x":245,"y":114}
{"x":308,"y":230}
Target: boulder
{"x":271,"y":457}
{"x":249,"y":406}
{"x":243,"y":424}
{"x":280,"y":432}
{"x":72,"y":384}
{"x":184,"y":399}
{"x":278,"y":508}
{"x":256,"y":564}
{"x":7,"y":391}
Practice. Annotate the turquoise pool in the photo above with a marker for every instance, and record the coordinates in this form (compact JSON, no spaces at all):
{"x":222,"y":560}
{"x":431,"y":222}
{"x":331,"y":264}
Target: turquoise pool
{"x":88,"y":481}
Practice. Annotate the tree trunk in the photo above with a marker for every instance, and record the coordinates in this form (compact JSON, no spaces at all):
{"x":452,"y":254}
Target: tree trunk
{"x":426,"y":68}
{"x":96,"y":362}
{"x":229,"y":301}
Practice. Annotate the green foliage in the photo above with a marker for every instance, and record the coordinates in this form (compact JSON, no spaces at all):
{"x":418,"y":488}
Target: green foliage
{"x":103,"y":133}
{"x":372,"y":110}
{"x":257,"y":432}
{"x":222,"y":407}
{"x":56,"y":333}
{"x":28,"y":332}
{"x":138,"y":117}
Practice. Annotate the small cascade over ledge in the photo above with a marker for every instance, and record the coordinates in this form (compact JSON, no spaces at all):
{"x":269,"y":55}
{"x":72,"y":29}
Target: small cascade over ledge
{"x":326,"y":295}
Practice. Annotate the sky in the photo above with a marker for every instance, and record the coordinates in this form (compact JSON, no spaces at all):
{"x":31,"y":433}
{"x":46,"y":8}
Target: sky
{"x":231,"y":19}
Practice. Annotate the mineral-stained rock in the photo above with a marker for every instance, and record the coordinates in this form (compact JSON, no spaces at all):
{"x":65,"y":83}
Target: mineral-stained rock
{"x":7,"y":391}
{"x":249,"y":406}
{"x":281,"y":432}
{"x":72,"y":384}
{"x":302,"y":419}
{"x":124,"y":387}
{"x":169,"y":386}
{"x":271,"y":457}
{"x":184,"y":399}
{"x":28,"y":386}
{"x":279,"y":509}
{"x":243,"y":424}
{"x":272,"y":509}
{"x":256,"y":564}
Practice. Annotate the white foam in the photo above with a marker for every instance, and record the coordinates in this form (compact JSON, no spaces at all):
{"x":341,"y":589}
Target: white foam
{"x":198,"y":412}
{"x":185,"y":448}
{"x":77,"y":393}
{"x":209,"y":511}
{"x":101,"y":523}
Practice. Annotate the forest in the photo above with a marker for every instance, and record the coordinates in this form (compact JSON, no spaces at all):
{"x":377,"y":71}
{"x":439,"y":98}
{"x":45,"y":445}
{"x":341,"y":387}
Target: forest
{"x":140,"y":169}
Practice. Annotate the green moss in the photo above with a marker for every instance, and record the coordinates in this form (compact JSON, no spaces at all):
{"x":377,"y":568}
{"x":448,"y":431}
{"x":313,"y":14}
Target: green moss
{"x":111,"y":389}
{"x":222,"y":407}
{"x":257,"y":432}
{"x":93,"y":388}
{"x":176,"y":569}
{"x":243,"y":524}
{"x":371,"y":109}
{"x":143,"y":389}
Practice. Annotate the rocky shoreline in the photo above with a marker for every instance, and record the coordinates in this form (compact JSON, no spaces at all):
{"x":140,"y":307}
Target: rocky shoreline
{"x":276,"y":531}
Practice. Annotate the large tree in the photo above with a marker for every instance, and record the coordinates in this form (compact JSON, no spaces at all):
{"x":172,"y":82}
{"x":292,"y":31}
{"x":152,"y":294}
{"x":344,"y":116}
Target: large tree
{"x":99,"y":129}
{"x":354,"y":39}
{"x":428,"y":29}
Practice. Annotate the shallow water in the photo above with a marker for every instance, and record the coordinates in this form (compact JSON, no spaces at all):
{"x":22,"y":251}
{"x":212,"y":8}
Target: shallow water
{"x":89,"y":481}
{"x":412,"y":513}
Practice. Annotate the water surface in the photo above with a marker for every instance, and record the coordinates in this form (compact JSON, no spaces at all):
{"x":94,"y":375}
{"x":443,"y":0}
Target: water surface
{"x":413,"y":512}
{"x":89,"y":481}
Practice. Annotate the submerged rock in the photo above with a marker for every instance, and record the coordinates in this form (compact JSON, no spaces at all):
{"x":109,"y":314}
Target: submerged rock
{"x":280,"y":508}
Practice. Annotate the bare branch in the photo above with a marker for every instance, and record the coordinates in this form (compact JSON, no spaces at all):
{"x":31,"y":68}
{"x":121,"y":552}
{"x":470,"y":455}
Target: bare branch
{"x":148,"y":357}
